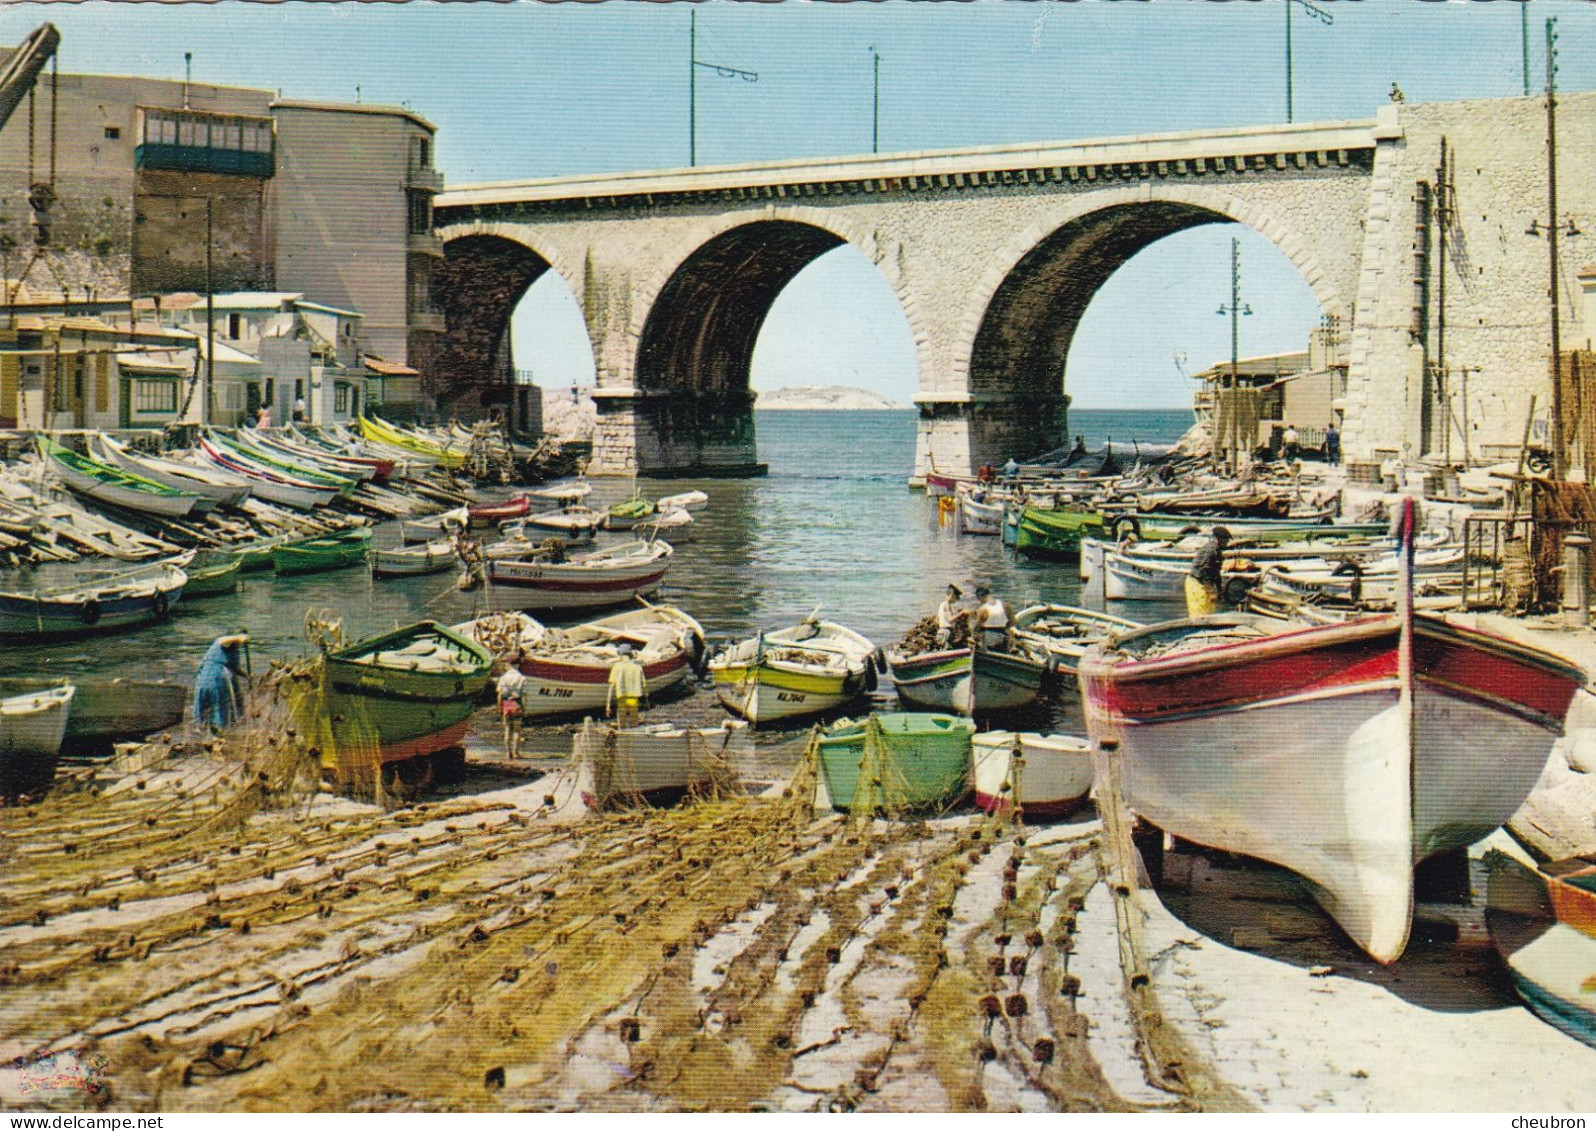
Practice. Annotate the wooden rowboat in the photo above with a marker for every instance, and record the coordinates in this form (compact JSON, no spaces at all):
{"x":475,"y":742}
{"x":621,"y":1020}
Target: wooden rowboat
{"x":102,"y":482}
{"x":31,"y":728}
{"x":412,"y":561}
{"x":627,"y":514}
{"x":1542,"y":920}
{"x":211,"y":573}
{"x":1065,"y":632}
{"x":92,"y":607}
{"x":1041,"y":775}
{"x":107,"y":709}
{"x":219,"y":487}
{"x":568,"y":669}
{"x":905,"y":761}
{"x":613,"y":576}
{"x":1054,"y":534}
{"x":654,"y":765}
{"x":968,"y":681}
{"x":401,"y":695}
{"x":1347,"y":753}
{"x":327,"y":552}
{"x":805,"y":669}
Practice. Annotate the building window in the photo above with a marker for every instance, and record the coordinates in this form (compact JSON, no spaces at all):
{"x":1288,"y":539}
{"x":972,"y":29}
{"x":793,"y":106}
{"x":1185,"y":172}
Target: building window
{"x":299,"y":388}
{"x":340,"y":396}
{"x":271,"y":390}
{"x":234,"y":324}
{"x":113,"y":132}
{"x":420,"y":212}
{"x":154,"y":395}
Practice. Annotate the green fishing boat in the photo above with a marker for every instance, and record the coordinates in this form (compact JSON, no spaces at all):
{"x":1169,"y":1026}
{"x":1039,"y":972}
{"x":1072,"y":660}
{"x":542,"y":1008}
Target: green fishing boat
{"x":254,"y":556}
{"x":624,"y":516}
{"x":1055,"y":533}
{"x":317,"y":555}
{"x":211,"y":573}
{"x":397,"y":696}
{"x":923,"y":760}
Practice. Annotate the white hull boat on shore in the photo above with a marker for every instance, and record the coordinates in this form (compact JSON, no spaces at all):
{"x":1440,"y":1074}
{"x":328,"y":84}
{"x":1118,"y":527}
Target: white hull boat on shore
{"x":807,"y":669}
{"x":32,"y":726}
{"x":1043,"y":775}
{"x":1348,"y":753}
{"x":656,"y":764}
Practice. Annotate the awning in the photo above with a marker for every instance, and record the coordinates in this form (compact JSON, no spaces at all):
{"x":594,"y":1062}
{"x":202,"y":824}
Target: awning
{"x":389,"y":368}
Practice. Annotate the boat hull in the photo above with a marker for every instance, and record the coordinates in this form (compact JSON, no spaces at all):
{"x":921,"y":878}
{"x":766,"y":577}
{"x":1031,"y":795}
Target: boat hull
{"x":926,"y":761}
{"x":1299,"y":749}
{"x":558,"y":686}
{"x":89,"y":612}
{"x":1041,"y":775}
{"x":387,"y":712}
{"x":966,"y":682}
{"x":651,"y":765}
{"x":1054,"y":535}
{"x":32,"y":726}
{"x":432,"y":558}
{"x":536,"y":584}
{"x":1544,"y":928}
{"x":763,"y":693}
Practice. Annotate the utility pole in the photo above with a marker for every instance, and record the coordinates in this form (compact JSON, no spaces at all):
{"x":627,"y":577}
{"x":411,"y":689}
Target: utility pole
{"x":1317,"y":13}
{"x":693,"y":63}
{"x":875,"y":112}
{"x":1443,"y":218}
{"x":1559,"y":457}
{"x":1235,"y":309}
{"x":210,"y":323}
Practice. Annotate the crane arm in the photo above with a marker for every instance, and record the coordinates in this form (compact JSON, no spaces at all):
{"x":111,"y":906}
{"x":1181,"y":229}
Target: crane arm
{"x":22,"y":69}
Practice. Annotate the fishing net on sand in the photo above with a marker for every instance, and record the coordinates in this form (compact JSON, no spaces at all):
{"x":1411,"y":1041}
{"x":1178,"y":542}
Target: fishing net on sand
{"x":616,"y":768}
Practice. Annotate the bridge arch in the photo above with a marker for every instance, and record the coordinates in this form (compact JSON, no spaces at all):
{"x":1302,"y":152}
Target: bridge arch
{"x":766,"y":252}
{"x":486,"y":270}
{"x":1016,"y":333}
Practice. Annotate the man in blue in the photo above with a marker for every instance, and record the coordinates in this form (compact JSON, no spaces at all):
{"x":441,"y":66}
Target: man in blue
{"x":1011,"y":469}
{"x":216,"y":693}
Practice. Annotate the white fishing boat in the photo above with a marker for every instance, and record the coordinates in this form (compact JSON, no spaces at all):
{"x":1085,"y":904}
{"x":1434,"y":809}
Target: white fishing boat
{"x":979,"y":517}
{"x":1066,"y":632}
{"x":568,"y":669}
{"x":270,"y":486}
{"x":94,"y":606}
{"x":108,"y":484}
{"x":562,"y":493}
{"x":219,"y":488}
{"x":573,"y":522}
{"x":1042,"y":775}
{"x":1347,"y":753}
{"x":547,"y":579}
{"x":503,"y":633}
{"x":967,"y":681}
{"x":109,"y":708}
{"x":808,"y":668}
{"x":413,"y":561}
{"x":32,"y":726}
{"x":686,"y":501}
{"x":656,"y":764}
{"x":418,"y":530}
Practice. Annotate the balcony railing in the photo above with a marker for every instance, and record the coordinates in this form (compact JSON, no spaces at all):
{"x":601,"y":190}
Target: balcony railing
{"x":203,"y":159}
{"x":424,"y":178}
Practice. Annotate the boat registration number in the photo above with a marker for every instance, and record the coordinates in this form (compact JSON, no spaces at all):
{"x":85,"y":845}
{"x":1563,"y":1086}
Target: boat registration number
{"x":556,"y":692}
{"x":790,"y":697}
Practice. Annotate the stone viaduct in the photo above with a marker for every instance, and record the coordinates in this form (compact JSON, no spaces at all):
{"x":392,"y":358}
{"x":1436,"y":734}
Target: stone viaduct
{"x":996,"y":252}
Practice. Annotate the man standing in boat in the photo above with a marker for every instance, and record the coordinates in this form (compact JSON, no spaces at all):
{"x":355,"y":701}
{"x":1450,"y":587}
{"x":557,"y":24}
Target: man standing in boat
{"x":949,"y":614}
{"x":990,"y":628}
{"x":1202,"y":583}
{"x":625,"y":694}
{"x":217,"y":697}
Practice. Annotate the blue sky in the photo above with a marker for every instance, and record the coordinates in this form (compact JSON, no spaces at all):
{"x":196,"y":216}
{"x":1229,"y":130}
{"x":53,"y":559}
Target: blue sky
{"x":531,"y":90}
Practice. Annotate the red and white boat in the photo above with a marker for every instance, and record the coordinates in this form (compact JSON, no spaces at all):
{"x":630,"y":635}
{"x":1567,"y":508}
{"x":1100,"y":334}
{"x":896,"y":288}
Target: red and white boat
{"x":568,"y":669}
{"x":547,"y":580}
{"x":1347,"y":753}
{"x":1042,"y":775}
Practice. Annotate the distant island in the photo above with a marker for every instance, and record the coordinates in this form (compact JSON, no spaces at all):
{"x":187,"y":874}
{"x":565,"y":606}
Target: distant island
{"x":824,"y":397}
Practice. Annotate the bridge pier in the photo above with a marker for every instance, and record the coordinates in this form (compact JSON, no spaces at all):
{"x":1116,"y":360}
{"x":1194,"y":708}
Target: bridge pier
{"x":961,"y":431}
{"x":658,"y":435}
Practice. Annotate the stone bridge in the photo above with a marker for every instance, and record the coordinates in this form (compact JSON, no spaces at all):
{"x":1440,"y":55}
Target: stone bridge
{"x":995,"y":254}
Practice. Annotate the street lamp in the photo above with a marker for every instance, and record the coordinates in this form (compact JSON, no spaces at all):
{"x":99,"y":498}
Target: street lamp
{"x":1236,"y":309}
{"x":693,"y":63}
{"x":1317,"y":13}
